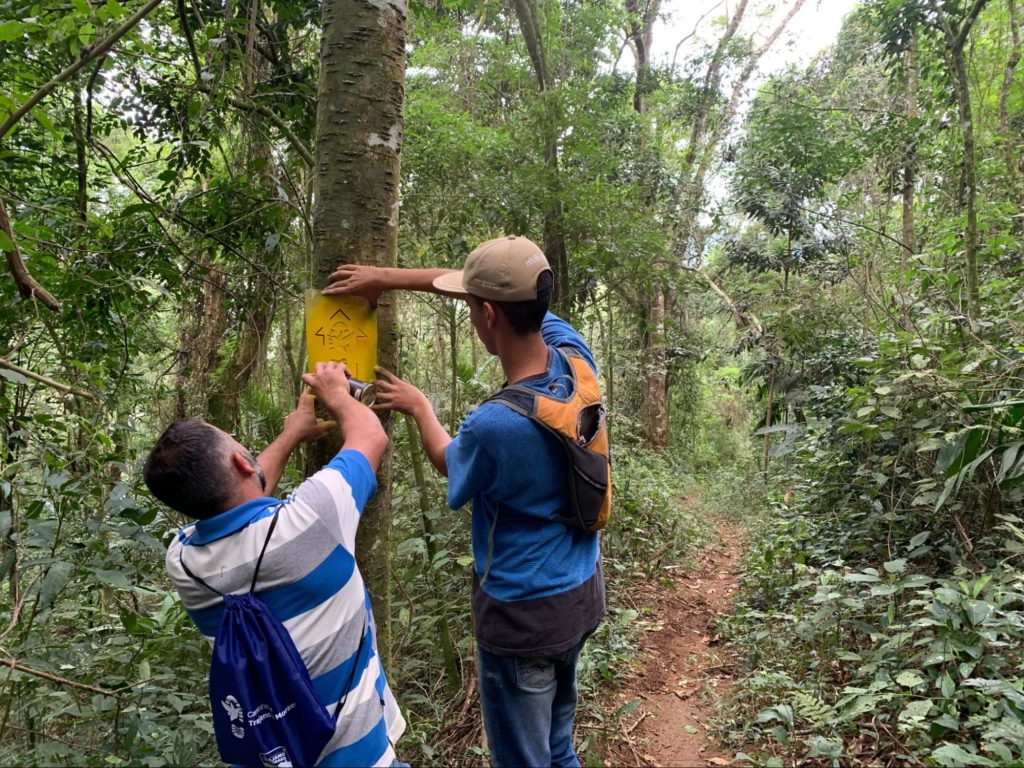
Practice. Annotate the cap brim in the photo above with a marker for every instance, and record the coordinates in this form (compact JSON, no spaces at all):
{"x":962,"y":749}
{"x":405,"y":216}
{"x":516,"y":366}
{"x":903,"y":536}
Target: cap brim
{"x":450,"y":282}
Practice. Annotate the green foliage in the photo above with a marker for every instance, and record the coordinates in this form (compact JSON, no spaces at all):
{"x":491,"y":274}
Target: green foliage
{"x":162,"y":194}
{"x":879,"y":659}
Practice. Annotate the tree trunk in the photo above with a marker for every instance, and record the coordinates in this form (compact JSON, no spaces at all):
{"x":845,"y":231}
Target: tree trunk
{"x":81,"y":166}
{"x":1011,"y":148}
{"x":355,"y":210}
{"x":554,"y":229}
{"x":200,"y":338}
{"x":705,"y":135}
{"x":655,"y":374}
{"x":910,"y":157}
{"x":956,"y":38}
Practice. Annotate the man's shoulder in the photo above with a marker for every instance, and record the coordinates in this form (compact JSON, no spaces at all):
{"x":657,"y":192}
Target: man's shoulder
{"x":492,"y":419}
{"x":180,"y":539}
{"x":493,"y":429}
{"x":561,"y":334}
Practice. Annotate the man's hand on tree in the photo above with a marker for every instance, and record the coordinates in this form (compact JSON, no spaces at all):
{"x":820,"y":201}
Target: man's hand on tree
{"x":359,"y":280}
{"x":361,"y":430}
{"x":395,"y":394}
{"x":330,"y":385}
{"x":302,"y":424}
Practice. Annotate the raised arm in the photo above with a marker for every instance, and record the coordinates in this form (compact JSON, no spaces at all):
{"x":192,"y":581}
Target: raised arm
{"x":399,"y":395}
{"x":299,"y":426}
{"x":361,"y":430}
{"x":369,"y":282}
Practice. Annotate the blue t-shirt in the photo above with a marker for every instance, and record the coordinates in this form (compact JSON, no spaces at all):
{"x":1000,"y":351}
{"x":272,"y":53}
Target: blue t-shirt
{"x":538,"y":570}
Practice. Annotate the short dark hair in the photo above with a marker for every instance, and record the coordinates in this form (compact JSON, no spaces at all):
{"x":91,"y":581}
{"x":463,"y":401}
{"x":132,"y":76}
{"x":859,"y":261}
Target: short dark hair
{"x":526,"y":316}
{"x":187,"y":469}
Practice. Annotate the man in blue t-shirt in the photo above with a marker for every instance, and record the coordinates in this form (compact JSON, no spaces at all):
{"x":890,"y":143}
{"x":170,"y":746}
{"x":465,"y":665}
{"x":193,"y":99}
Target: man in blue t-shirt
{"x":538,"y":589}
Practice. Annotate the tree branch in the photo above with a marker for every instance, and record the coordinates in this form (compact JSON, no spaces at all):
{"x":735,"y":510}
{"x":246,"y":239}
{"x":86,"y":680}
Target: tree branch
{"x":183,"y":20}
{"x":28,"y":286}
{"x":693,"y":32}
{"x":527,"y":15}
{"x":743,"y":319}
{"x":5,"y":363}
{"x":17,"y":666}
{"x":968,"y":22}
{"x":125,"y":177}
{"x":295,"y":141}
{"x":88,"y":54}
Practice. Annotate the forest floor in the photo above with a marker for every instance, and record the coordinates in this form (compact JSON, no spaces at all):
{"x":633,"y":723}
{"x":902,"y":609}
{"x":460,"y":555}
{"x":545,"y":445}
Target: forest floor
{"x":682,"y":671}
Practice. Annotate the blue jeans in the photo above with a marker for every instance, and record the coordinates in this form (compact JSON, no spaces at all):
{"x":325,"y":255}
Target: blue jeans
{"x":528,"y":707}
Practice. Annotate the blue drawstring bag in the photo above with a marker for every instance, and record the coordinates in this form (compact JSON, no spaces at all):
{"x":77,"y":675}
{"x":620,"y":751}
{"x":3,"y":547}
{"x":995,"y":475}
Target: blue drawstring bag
{"x":265,"y":709}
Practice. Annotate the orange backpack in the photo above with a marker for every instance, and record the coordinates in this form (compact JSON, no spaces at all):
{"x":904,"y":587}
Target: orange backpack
{"x":578,"y":422}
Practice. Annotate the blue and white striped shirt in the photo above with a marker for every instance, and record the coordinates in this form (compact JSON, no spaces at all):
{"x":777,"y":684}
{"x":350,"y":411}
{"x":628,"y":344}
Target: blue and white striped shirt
{"x":310,"y":581}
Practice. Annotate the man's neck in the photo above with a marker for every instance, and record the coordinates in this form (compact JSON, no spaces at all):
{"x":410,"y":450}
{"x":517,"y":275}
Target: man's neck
{"x":523,"y":356}
{"x":242,"y":495}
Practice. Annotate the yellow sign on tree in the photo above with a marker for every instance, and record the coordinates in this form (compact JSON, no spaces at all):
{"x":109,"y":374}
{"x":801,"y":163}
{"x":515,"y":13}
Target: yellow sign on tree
{"x":342,"y":329}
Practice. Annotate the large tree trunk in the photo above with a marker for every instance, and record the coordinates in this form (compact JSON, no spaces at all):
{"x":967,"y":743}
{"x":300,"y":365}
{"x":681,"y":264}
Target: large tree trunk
{"x":355,"y":210}
{"x":655,"y":370}
{"x":204,"y":322}
{"x":259,"y":290}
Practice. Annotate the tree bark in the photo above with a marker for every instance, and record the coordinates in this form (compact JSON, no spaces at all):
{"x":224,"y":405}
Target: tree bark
{"x":655,"y":417}
{"x":1011,"y":148}
{"x":28,"y":286}
{"x":956,"y":38}
{"x":355,"y":210}
{"x":201,"y":337}
{"x":82,"y":166}
{"x":555,"y":247}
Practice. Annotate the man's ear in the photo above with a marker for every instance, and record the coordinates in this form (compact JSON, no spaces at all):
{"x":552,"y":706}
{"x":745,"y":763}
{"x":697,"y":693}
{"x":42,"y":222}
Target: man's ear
{"x":490,"y":314}
{"x":241,"y":464}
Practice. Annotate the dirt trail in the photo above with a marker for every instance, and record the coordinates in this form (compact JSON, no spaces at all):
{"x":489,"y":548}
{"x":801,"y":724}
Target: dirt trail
{"x":682,"y":671}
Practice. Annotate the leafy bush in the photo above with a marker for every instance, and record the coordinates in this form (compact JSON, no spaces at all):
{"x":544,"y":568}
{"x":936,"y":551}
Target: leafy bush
{"x":855,"y":663}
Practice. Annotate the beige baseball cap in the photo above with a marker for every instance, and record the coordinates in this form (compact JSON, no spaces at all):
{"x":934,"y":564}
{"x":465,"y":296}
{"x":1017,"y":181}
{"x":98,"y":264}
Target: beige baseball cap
{"x":504,"y":269}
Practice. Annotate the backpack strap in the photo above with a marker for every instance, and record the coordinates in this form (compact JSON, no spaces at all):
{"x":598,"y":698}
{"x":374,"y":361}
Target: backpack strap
{"x":266,"y":541}
{"x":255,"y":573}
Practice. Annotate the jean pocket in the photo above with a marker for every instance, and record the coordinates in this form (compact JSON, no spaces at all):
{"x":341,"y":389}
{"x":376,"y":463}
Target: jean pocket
{"x":535,"y":675}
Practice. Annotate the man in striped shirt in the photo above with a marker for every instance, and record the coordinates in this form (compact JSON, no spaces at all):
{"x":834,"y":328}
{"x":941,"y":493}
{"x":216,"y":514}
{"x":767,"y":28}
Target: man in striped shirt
{"x":308,"y":576}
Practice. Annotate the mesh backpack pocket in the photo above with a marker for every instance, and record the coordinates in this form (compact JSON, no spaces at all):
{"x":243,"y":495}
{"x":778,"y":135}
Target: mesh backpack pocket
{"x":578,"y":423}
